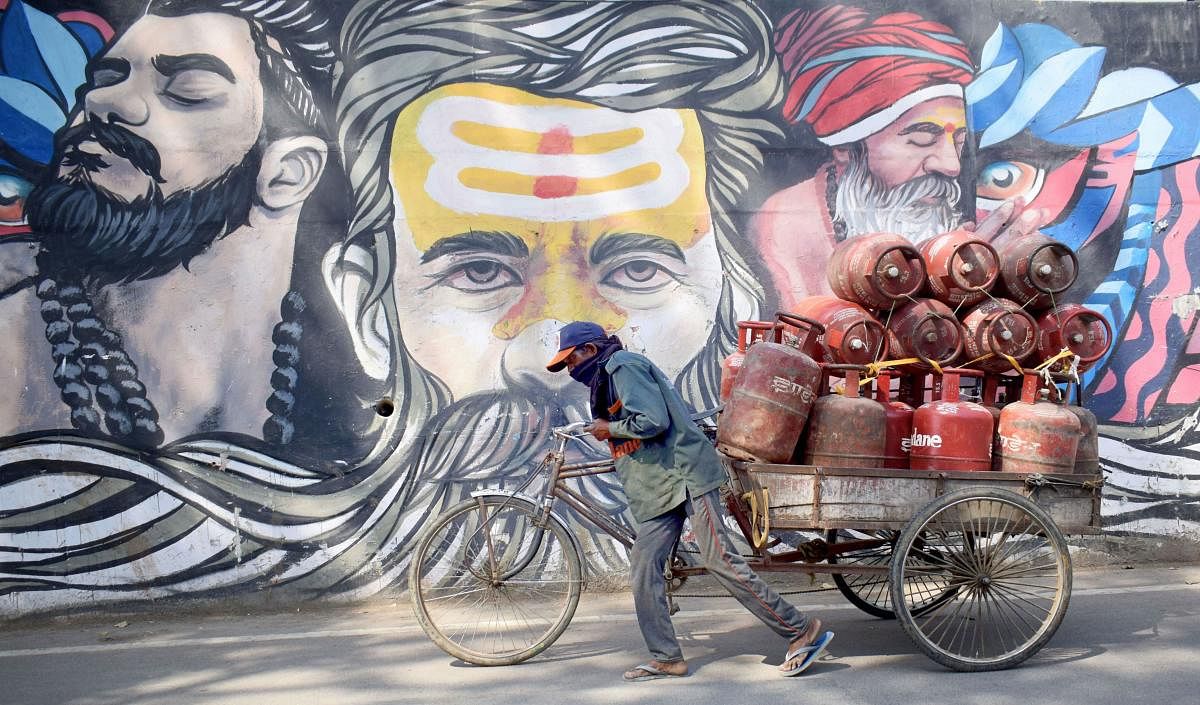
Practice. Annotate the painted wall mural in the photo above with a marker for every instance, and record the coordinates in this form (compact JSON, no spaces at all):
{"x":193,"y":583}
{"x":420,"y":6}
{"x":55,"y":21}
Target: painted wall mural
{"x":279,"y":278}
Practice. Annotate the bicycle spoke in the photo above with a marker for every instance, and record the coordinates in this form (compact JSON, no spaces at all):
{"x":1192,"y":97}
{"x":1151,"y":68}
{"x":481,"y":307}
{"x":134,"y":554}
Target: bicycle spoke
{"x":1020,"y":625}
{"x":1033,"y":599}
{"x":1019,"y":552}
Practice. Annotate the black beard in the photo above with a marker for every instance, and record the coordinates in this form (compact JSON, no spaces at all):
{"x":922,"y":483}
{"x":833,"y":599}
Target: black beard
{"x":114,"y":240}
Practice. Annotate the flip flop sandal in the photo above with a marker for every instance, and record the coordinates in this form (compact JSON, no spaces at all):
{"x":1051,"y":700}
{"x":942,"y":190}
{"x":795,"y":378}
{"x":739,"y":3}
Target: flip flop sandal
{"x":811,"y":653}
{"x":648,"y":673}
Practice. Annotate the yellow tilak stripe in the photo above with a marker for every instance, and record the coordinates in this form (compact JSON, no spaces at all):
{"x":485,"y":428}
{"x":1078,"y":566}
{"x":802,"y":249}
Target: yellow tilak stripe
{"x":496,"y":181}
{"x":515,"y":139}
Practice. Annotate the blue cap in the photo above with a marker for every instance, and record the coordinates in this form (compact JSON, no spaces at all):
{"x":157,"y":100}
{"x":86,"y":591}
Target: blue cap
{"x":571,"y":336}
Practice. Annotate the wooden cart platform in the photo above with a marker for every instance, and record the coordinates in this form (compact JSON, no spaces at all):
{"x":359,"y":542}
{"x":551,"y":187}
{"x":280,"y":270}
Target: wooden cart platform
{"x":819,"y":498}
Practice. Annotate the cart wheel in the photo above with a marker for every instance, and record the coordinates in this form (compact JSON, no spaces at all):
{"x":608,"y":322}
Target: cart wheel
{"x":1009,"y":568}
{"x":872,"y":593}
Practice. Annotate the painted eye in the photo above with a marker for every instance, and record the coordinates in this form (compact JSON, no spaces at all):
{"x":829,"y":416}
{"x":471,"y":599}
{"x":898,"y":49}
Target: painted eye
{"x":194,"y":87}
{"x":1000,"y":181}
{"x":639,"y":275}
{"x":479,"y":276}
{"x":13,"y":190}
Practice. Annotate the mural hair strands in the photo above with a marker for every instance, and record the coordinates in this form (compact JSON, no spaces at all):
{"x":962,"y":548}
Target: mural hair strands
{"x":831,"y":189}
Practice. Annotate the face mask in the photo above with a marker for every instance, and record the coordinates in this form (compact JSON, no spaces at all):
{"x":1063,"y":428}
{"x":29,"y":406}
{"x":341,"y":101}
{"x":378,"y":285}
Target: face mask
{"x":585,"y":372}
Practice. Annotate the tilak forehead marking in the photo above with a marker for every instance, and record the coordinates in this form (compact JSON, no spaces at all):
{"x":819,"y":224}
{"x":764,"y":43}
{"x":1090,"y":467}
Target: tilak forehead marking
{"x":550,"y":160}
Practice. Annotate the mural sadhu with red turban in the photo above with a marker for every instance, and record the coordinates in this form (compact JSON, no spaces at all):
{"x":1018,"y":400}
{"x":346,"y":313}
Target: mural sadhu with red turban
{"x":886,"y":95}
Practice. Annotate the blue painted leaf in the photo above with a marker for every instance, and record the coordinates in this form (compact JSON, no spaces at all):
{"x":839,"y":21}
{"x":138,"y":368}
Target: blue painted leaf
{"x":25,"y":136}
{"x":88,"y":36}
{"x":62,"y":53}
{"x":32,"y":102}
{"x":37,"y":48}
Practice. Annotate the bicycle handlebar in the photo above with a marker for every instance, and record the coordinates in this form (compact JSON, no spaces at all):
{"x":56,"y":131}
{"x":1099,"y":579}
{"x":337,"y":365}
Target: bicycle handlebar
{"x":570,"y":429}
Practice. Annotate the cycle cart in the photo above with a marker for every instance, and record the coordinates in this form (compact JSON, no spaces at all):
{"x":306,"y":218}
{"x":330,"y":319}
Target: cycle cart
{"x":973,"y":565}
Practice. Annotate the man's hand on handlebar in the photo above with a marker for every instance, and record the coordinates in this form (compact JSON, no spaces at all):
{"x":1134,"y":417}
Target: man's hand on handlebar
{"x":599,"y":429}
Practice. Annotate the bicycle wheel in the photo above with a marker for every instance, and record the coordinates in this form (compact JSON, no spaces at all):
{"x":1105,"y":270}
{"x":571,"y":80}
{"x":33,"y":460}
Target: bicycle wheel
{"x":1010,"y":565}
{"x":872,"y":593}
{"x":491,"y":587}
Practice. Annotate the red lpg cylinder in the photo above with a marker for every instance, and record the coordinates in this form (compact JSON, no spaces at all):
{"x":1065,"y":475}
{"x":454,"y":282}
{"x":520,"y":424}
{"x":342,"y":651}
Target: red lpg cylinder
{"x":845,"y":430}
{"x":999,"y":327}
{"x":960,"y":267}
{"x":749,"y":332}
{"x":1037,"y":435}
{"x":897,"y":423}
{"x":1076,"y":328}
{"x":875,"y":270}
{"x":951,"y":434}
{"x":926,"y":329}
{"x":770,"y":399}
{"x":852,"y":335}
{"x":1035,"y":268}
{"x":1087,"y":457}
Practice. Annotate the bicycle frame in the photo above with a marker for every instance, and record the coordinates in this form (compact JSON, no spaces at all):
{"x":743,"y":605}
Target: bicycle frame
{"x":558,"y":471}
{"x":556,"y":487}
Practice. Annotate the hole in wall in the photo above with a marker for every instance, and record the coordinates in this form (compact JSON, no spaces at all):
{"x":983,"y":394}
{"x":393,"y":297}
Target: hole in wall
{"x":385,"y":407}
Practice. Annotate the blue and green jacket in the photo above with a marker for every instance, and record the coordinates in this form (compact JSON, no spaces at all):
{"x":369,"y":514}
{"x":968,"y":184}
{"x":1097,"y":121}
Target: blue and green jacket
{"x":661,"y":455}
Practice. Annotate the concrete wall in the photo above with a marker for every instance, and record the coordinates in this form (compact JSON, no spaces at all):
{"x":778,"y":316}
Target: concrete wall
{"x":275,"y":286}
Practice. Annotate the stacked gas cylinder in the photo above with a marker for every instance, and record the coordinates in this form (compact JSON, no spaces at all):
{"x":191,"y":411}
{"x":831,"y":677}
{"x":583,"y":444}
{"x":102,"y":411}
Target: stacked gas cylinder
{"x":955,"y":307}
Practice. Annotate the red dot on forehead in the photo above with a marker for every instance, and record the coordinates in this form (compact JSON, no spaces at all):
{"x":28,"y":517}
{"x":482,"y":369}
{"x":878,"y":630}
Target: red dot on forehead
{"x":949,"y":128}
{"x":555,"y":186}
{"x":557,"y":140}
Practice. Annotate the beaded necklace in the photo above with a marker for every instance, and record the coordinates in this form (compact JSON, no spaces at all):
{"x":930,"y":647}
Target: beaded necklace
{"x":839,"y":226}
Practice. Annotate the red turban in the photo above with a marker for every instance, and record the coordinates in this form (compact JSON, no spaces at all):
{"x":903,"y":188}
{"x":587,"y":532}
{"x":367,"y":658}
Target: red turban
{"x":850,"y":77}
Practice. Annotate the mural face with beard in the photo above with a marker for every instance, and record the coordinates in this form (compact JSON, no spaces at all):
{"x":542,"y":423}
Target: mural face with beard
{"x":885,"y":94}
{"x":127,"y":193}
{"x":150,"y":235}
{"x":576,"y":212}
{"x":902,"y":178}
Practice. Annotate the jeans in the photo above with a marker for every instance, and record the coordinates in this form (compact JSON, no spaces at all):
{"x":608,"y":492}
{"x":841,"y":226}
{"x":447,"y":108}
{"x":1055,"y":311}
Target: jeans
{"x":651,"y":551}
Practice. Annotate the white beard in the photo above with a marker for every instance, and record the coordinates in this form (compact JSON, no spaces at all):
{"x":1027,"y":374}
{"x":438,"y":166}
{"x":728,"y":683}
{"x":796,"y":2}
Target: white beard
{"x":867,"y":206}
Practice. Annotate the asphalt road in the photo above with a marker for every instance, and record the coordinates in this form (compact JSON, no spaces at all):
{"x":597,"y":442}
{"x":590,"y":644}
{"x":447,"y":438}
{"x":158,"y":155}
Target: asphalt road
{"x":1130,"y":636}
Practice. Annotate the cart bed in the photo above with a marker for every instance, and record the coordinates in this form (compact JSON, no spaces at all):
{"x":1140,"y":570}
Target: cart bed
{"x":812,"y":497}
